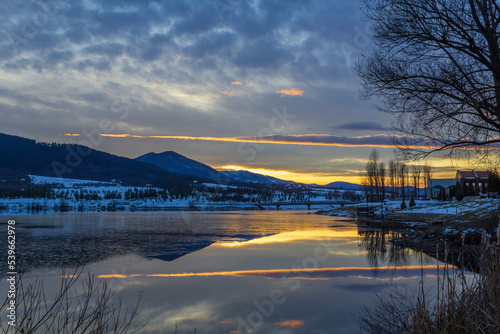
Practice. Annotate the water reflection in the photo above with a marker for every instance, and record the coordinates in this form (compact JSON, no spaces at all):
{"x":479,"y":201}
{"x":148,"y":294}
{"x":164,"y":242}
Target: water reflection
{"x":299,"y":273}
{"x":379,"y":248}
{"x":268,"y":272}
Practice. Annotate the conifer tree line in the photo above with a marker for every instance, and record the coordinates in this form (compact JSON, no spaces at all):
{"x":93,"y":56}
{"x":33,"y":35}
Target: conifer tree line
{"x":397,"y":180}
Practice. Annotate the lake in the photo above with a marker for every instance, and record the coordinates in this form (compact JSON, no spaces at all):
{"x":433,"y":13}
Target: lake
{"x":229,"y":272}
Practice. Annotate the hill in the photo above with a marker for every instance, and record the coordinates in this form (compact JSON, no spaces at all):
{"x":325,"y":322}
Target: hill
{"x":21,"y":156}
{"x":344,"y":185}
{"x":174,"y":162}
{"x":244,"y":176}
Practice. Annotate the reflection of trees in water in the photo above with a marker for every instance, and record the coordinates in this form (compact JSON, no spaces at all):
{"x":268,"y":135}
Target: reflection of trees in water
{"x":380,"y":250}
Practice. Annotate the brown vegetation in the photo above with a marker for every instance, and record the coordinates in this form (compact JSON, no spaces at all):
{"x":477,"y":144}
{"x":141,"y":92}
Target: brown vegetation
{"x":462,"y":302}
{"x":86,"y":307}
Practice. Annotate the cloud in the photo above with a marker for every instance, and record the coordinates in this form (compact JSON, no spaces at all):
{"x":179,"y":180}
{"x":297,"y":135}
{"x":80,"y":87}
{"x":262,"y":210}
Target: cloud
{"x":178,"y":55}
{"x":291,"y":323}
{"x":290,"y":92}
{"x":379,"y":140}
{"x":236,"y":83}
{"x":267,"y":54}
{"x":363,"y":126}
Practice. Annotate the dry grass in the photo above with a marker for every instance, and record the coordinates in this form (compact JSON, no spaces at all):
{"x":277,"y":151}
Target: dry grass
{"x":462,"y":302}
{"x":80,"y":305}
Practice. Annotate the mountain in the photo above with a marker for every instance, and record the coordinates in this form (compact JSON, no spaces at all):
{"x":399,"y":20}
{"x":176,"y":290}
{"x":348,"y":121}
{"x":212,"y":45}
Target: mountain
{"x":344,"y":185}
{"x":20,"y":156}
{"x":249,"y":177}
{"x":174,"y":162}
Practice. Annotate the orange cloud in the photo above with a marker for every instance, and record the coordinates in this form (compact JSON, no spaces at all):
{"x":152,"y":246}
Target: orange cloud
{"x":236,"y":83}
{"x":228,"y":93}
{"x":381,"y":140}
{"x":249,"y":84}
{"x":291,"y":323}
{"x":290,"y":92}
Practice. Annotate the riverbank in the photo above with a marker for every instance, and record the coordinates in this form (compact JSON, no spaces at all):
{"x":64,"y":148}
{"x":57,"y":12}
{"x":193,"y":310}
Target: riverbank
{"x":457,"y":235}
{"x":18,"y":206}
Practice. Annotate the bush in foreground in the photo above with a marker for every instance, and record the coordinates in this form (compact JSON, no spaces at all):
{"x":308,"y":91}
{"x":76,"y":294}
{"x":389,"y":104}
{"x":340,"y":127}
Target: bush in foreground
{"x":463,"y":302}
{"x":86,"y":307}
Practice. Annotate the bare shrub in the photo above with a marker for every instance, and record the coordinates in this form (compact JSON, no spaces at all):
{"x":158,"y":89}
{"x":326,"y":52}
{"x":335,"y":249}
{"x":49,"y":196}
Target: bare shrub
{"x":87,"y":307}
{"x":462,"y":302}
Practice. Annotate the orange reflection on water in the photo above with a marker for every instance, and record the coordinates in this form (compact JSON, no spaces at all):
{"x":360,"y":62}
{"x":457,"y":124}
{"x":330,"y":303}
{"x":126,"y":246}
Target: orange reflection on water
{"x":319,"y":273}
{"x":292,"y":236}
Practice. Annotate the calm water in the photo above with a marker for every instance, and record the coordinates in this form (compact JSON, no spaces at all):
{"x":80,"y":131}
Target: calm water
{"x":268,"y":272}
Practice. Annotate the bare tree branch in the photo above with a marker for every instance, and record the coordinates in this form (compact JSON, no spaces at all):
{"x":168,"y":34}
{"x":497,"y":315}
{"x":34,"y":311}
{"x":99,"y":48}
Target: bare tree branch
{"x":436,"y":67}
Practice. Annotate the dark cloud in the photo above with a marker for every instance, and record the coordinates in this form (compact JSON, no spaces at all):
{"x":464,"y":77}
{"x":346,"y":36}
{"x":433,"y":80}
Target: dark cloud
{"x":213,"y":43}
{"x":99,"y":65}
{"x":263,"y":53}
{"x":181,"y":55}
{"x":363,"y":126}
{"x":198,"y":20}
{"x":105,"y":49}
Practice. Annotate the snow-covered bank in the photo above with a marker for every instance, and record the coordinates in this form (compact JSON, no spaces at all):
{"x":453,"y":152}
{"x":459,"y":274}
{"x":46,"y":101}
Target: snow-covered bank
{"x":48,"y":194}
{"x":456,"y":237}
{"x":465,"y":210}
{"x":33,"y":205}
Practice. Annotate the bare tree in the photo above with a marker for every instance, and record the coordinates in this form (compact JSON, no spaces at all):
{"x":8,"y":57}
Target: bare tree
{"x":415,"y":173}
{"x":392,"y":177}
{"x":366,"y":186}
{"x":402,"y":176}
{"x":374,"y":178}
{"x":381,"y":175}
{"x":371,"y":174}
{"x":427,"y":173}
{"x":436,"y":67}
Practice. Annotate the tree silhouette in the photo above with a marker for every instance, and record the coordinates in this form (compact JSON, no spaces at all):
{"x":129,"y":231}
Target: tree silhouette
{"x":436,"y":67}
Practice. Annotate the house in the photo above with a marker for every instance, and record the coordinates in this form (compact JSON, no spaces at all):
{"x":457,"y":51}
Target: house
{"x":473,"y":182}
{"x":434,"y":187}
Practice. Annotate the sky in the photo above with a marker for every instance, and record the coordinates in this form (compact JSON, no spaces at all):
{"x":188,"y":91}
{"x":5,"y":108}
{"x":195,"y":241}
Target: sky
{"x":266,"y":86}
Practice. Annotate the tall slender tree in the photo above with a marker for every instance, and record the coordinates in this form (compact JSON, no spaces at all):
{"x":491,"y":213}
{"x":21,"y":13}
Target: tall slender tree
{"x":382,"y":180}
{"x":427,"y":172}
{"x":402,"y":175}
{"x":415,"y":173}
{"x":392,"y":177}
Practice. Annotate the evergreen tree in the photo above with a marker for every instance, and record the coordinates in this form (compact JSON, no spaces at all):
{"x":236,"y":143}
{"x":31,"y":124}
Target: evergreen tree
{"x":459,"y":194}
{"x":494,"y":181}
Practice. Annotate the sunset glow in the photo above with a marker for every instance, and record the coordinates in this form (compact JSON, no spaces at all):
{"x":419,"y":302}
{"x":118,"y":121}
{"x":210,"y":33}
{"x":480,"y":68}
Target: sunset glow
{"x":278,"y":273}
{"x":292,"y":236}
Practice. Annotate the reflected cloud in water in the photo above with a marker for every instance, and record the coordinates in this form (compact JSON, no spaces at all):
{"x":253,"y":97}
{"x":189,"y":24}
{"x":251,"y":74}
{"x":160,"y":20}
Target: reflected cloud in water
{"x":209,"y":271}
{"x":394,"y":273}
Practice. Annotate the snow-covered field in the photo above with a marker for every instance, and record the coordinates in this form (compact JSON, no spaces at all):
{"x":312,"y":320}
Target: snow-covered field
{"x":87,"y":195}
{"x":68,"y":183}
{"x":469,"y":207}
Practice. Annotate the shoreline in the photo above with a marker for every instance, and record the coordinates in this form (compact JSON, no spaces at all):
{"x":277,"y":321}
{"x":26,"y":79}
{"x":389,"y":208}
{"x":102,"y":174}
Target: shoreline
{"x":455,"y":238}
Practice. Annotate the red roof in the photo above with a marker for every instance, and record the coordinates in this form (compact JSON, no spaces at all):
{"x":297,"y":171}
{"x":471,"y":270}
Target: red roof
{"x":483,"y":174}
{"x":472,"y":174}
